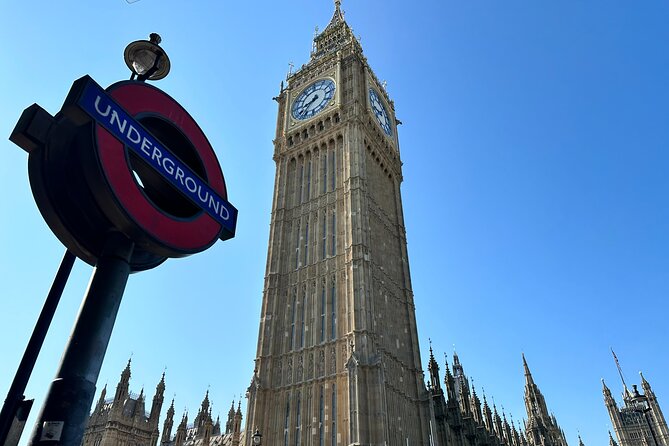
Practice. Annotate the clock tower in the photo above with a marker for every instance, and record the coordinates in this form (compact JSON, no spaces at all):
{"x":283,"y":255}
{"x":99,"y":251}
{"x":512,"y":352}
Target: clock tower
{"x":338,"y":361}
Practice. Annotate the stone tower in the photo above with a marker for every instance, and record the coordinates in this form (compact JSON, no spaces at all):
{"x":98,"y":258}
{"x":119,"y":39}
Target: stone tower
{"x":123,"y":419}
{"x":541,"y":427}
{"x":639,"y":421}
{"x":338,"y":360}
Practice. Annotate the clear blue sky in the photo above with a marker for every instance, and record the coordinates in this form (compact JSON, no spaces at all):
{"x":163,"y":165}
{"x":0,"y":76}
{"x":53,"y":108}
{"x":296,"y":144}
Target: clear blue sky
{"x":535,"y":146}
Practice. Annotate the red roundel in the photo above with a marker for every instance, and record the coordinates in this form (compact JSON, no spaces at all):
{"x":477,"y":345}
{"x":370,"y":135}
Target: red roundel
{"x":187,"y":235}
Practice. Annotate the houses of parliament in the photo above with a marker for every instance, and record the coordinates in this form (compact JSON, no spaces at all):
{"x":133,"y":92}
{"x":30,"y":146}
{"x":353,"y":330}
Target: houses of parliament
{"x":338,"y":361}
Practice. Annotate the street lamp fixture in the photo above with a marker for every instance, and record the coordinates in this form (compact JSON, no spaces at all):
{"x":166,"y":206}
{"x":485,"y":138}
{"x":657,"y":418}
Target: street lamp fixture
{"x":257,"y":438}
{"x":146,"y":59}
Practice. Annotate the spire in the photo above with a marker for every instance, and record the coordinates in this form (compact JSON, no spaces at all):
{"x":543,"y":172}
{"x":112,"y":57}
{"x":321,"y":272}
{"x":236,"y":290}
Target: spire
{"x":337,"y":17}
{"x":167,"y":425}
{"x":336,"y":36}
{"x":612,"y":441}
{"x":433,"y":368}
{"x":231,"y":419}
{"x":608,"y":398}
{"x":528,"y":374}
{"x":139,"y":406}
{"x":157,"y":401}
{"x":580,"y":441}
{"x":181,"y":431}
{"x":103,"y":395}
{"x":122,"y":388}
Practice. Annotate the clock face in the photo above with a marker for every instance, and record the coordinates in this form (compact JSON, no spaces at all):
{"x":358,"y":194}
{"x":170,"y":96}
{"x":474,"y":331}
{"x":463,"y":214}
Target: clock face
{"x":313,"y":99}
{"x":379,"y":111}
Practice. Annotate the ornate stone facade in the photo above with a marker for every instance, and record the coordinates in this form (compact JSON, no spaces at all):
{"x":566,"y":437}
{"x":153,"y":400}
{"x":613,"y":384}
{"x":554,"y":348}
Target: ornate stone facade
{"x":123,"y":421}
{"x":459,"y":418}
{"x":337,"y":294}
{"x":639,"y":421}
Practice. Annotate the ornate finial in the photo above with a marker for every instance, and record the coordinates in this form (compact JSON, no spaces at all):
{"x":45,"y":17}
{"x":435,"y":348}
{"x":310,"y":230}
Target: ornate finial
{"x":338,"y":4}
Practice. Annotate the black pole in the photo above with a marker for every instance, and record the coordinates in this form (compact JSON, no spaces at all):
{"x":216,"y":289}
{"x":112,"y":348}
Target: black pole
{"x":16,"y":391}
{"x":64,"y":414}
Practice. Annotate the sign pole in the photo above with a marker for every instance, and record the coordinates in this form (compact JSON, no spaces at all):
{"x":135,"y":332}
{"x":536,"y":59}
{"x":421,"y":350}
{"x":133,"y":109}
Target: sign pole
{"x":64,"y":414}
{"x":16,"y":391}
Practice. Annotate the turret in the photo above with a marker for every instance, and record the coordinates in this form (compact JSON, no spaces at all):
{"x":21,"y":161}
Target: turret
{"x":167,"y":425}
{"x":202,"y":414}
{"x":157,"y":404}
{"x":231,"y":419}
{"x":101,"y":401}
{"x":476,"y":406}
{"x":487,"y":416}
{"x":140,"y":406}
{"x":208,"y":426}
{"x":433,"y":368}
{"x":450,"y":386}
{"x":612,"y":441}
{"x":217,"y":426}
{"x":123,"y":387}
{"x":237,"y":428}
{"x":181,"y":431}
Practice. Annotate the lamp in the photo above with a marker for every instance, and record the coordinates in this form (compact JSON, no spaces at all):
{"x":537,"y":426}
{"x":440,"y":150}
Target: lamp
{"x":257,"y":437}
{"x":146,"y":59}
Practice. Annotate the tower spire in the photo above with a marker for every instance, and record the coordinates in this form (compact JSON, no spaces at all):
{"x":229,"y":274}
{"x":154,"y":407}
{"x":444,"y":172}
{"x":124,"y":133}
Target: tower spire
{"x":528,"y":374}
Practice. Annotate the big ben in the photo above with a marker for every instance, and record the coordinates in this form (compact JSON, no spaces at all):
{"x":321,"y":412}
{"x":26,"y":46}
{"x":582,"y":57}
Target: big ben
{"x":338,"y":360}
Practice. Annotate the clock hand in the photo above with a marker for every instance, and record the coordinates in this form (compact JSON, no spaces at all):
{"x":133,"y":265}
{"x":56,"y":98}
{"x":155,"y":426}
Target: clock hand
{"x":306,"y":107}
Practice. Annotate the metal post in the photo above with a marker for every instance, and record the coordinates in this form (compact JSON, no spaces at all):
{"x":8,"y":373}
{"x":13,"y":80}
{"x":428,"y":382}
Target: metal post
{"x":16,"y":391}
{"x":64,"y":414}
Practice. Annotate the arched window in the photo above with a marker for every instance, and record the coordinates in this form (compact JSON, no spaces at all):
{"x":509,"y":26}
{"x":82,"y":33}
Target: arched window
{"x":323,"y":308}
{"x":285,"y":424}
{"x":293,"y":311}
{"x":298,"y":420}
{"x":333,"y":314}
{"x":333,"y":413}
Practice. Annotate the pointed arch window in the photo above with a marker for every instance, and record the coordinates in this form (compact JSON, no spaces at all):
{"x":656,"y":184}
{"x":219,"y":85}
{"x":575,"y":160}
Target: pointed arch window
{"x":300,"y":181}
{"x":333,"y":169}
{"x":324,"y":236}
{"x":333,"y":314}
{"x":324,"y":171}
{"x":321,"y":419}
{"x":333,"y":234}
{"x":323,"y":308}
{"x":298,"y":419}
{"x":293,"y":311}
{"x":307,"y":182}
{"x":305,"y":252}
{"x":297,"y":245}
{"x":334,"y":414}
{"x":285,"y":424}
{"x":302,"y":321}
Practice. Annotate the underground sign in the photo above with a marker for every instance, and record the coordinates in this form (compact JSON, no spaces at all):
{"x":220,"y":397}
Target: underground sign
{"x":131,"y":159}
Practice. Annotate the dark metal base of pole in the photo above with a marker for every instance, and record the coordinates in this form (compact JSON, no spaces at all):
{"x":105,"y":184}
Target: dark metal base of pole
{"x":14,"y":401}
{"x":64,"y":414}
